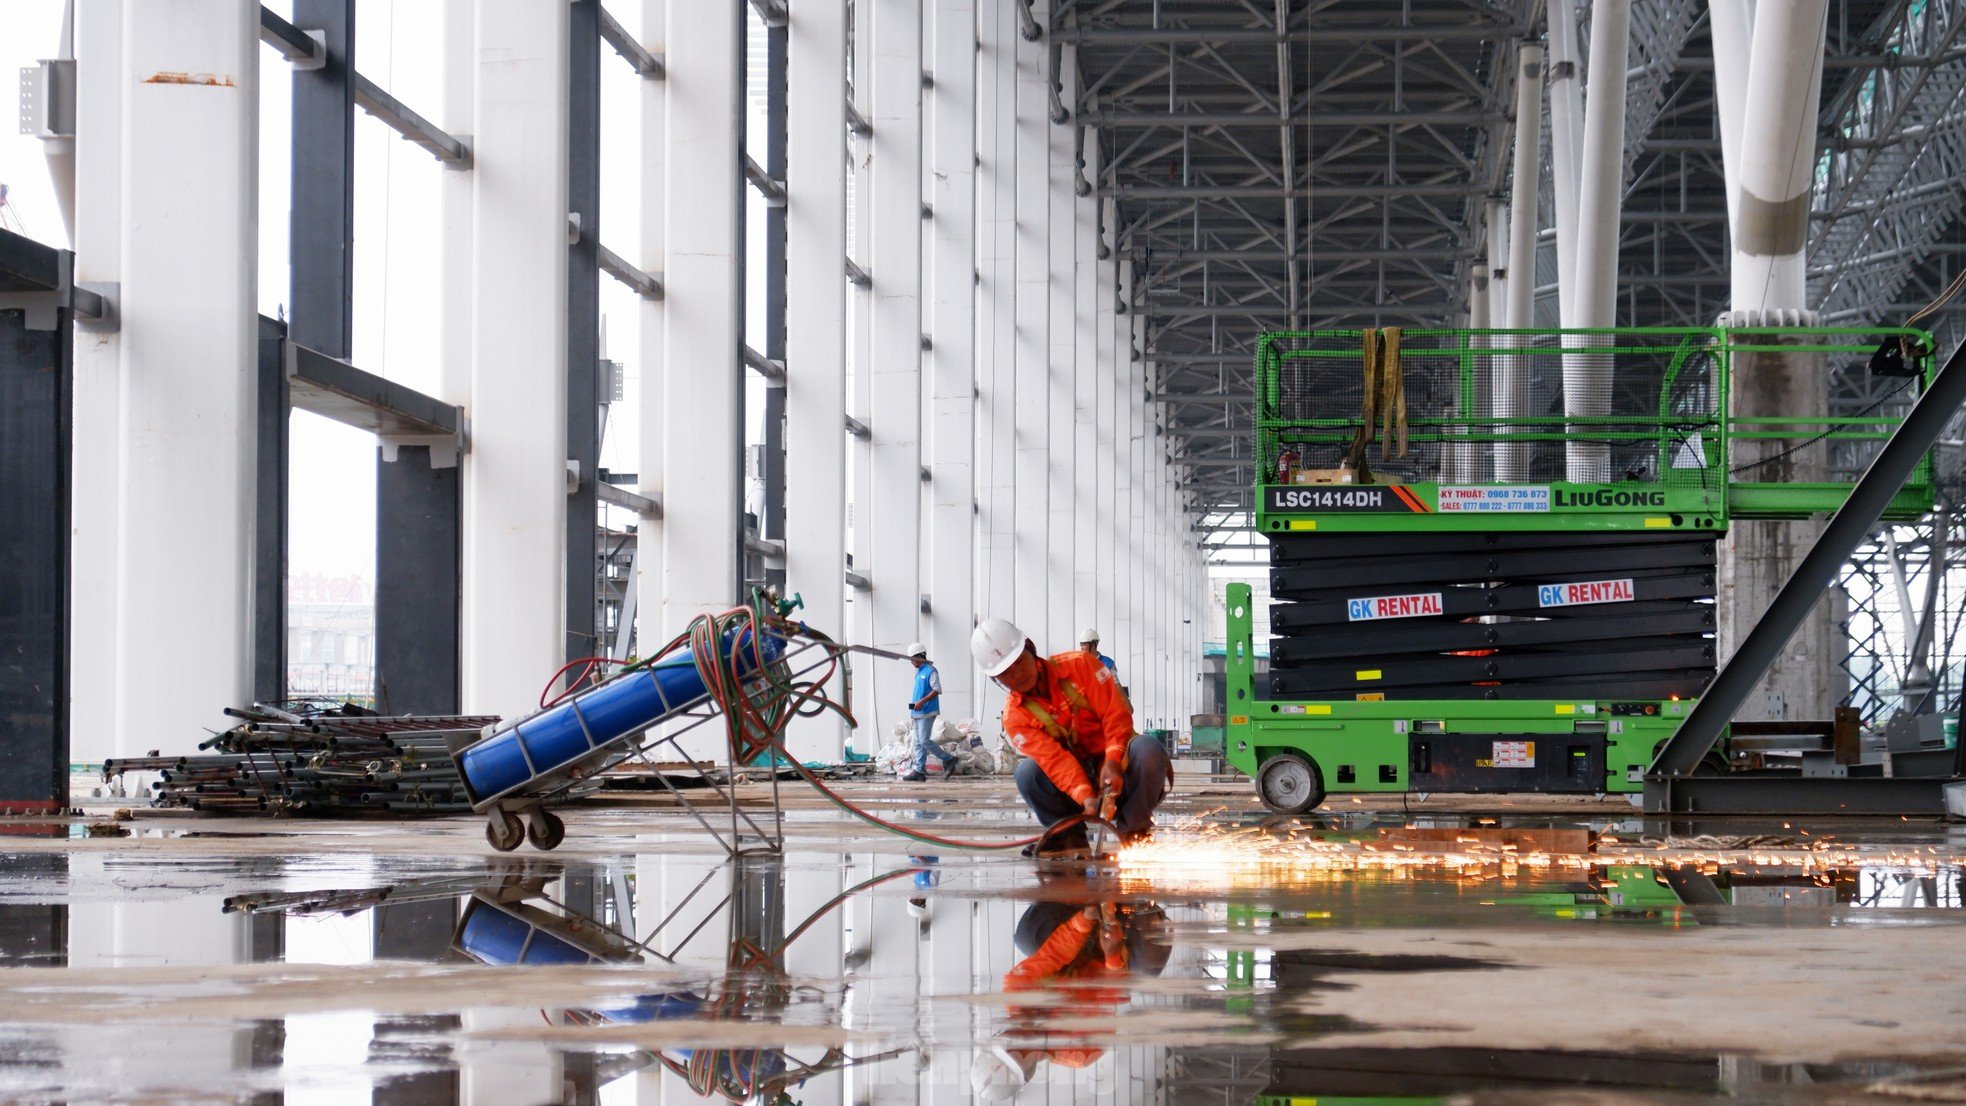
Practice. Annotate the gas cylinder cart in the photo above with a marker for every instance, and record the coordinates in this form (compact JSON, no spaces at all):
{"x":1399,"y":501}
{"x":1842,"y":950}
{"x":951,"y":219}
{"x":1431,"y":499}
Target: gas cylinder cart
{"x":753,"y":665}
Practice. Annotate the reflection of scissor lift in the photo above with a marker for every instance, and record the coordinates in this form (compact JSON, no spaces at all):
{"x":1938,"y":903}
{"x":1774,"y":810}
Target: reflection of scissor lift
{"x":515,"y":923}
{"x":514,"y":767}
{"x":1520,"y":598}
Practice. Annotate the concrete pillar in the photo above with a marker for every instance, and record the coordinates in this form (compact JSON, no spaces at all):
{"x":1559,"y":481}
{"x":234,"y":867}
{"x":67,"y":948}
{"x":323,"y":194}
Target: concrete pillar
{"x":894,"y":516}
{"x":815,"y":313}
{"x":1062,"y":295}
{"x":1587,"y":379}
{"x":1771,"y":168}
{"x":95,"y":581}
{"x":950,"y":536}
{"x":515,"y":491}
{"x":1033,"y":406}
{"x":996,"y":365}
{"x":186,"y":209}
{"x":703,"y":375}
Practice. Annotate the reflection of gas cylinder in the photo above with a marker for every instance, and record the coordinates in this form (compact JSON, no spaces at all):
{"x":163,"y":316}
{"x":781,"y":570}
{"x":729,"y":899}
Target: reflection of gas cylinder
{"x":1288,"y":462}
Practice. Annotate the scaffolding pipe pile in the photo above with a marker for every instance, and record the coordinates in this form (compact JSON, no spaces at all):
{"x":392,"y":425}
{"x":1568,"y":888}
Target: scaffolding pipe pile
{"x":315,"y":763}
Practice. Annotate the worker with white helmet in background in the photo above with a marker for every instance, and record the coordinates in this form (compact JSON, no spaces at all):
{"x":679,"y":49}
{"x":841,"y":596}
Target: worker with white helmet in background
{"x":924,"y":707}
{"x":1089,"y":645}
{"x":1067,"y":715}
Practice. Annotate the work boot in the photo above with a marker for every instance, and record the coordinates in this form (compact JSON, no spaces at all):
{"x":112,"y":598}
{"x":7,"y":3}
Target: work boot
{"x":949,"y":769}
{"x":913,"y":777}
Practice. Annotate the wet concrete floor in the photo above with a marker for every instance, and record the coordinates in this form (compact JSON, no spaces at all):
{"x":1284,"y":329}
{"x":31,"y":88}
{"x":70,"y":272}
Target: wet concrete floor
{"x":1512,"y":951}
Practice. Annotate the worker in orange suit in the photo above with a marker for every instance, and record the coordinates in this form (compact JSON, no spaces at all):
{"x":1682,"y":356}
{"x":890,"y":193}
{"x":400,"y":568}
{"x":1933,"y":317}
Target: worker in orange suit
{"x":1066,"y":714}
{"x":1084,"y":958}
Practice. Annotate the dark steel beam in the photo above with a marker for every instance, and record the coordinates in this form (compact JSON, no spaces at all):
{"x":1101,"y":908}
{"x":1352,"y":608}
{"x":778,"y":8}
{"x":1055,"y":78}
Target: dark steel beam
{"x":337,"y":390}
{"x":1847,"y":529}
{"x":644,"y":62}
{"x":1469,"y":117}
{"x":1371,"y":32}
{"x":1279,"y":192}
{"x":397,"y":116}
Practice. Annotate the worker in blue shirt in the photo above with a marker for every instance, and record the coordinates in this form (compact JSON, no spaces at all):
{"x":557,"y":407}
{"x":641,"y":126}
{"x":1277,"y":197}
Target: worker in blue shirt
{"x":1089,"y":643}
{"x":924,"y":707}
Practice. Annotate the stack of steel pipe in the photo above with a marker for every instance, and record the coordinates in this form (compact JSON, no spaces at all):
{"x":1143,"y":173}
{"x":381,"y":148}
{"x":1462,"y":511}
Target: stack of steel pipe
{"x":306,"y":759}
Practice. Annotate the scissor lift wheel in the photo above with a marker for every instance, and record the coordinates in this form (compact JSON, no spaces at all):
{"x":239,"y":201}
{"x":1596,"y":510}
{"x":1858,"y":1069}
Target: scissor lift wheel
{"x":1289,"y":783}
{"x":505,"y":831}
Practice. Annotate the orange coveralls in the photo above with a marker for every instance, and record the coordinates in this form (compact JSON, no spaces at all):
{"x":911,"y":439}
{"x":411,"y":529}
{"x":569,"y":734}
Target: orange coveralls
{"x":1091,"y":722}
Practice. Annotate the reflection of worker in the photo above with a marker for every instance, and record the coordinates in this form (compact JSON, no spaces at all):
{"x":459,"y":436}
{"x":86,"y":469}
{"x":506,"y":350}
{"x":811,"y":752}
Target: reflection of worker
{"x":1085,"y":953}
{"x":1067,"y":715}
{"x":1089,"y":645}
{"x":924,"y":707}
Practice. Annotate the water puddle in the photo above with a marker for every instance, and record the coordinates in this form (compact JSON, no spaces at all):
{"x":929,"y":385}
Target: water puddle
{"x":1248,"y":961}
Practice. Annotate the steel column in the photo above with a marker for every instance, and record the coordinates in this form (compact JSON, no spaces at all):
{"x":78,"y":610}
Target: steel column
{"x":36,"y":451}
{"x":651,"y":422}
{"x":702,"y":412}
{"x":583,"y":296}
{"x":515,"y":489}
{"x":1055,"y":632}
{"x":894,"y":516}
{"x":1030,"y":491}
{"x":815,"y":310}
{"x":997,"y":339}
{"x":187,"y":215}
{"x":950,"y":536}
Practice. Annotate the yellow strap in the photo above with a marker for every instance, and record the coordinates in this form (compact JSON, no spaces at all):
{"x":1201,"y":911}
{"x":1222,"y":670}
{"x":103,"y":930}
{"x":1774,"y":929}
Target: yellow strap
{"x":1050,"y":724}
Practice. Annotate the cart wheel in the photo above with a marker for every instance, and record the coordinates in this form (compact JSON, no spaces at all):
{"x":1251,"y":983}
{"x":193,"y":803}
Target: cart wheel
{"x":1289,"y":783}
{"x":505,"y":831}
{"x":546,"y":831}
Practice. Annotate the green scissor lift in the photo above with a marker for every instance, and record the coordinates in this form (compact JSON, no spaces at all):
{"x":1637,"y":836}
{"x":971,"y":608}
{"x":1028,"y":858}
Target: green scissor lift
{"x":1467,"y":617}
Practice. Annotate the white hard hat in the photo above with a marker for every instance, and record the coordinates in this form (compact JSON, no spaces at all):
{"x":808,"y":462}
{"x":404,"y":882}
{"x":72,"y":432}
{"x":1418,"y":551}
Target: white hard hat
{"x":917,"y":649}
{"x":997,"y":1076}
{"x":1089,"y":635}
{"x":996,"y":645}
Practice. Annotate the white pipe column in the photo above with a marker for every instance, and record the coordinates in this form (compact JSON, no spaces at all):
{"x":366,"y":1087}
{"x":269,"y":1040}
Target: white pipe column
{"x":1031,"y":490}
{"x":1496,"y":218}
{"x":1778,"y":156}
{"x":455,"y":299}
{"x":950,"y":536}
{"x":996,"y":366}
{"x":815,"y":312}
{"x":1088,"y":465}
{"x":1587,"y":379}
{"x":1732,"y":26}
{"x":515,"y":484}
{"x":894,"y":516}
{"x":186,"y":207}
{"x":1566,"y":121}
{"x":1061,"y":293}
{"x":1466,"y":456}
{"x":1145,"y":458}
{"x":1512,"y":387}
{"x":96,"y":433}
{"x":701,"y":431}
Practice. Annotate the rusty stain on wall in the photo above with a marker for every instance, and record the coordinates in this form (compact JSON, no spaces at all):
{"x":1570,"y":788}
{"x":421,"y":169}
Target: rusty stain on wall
{"x":212,"y":80}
